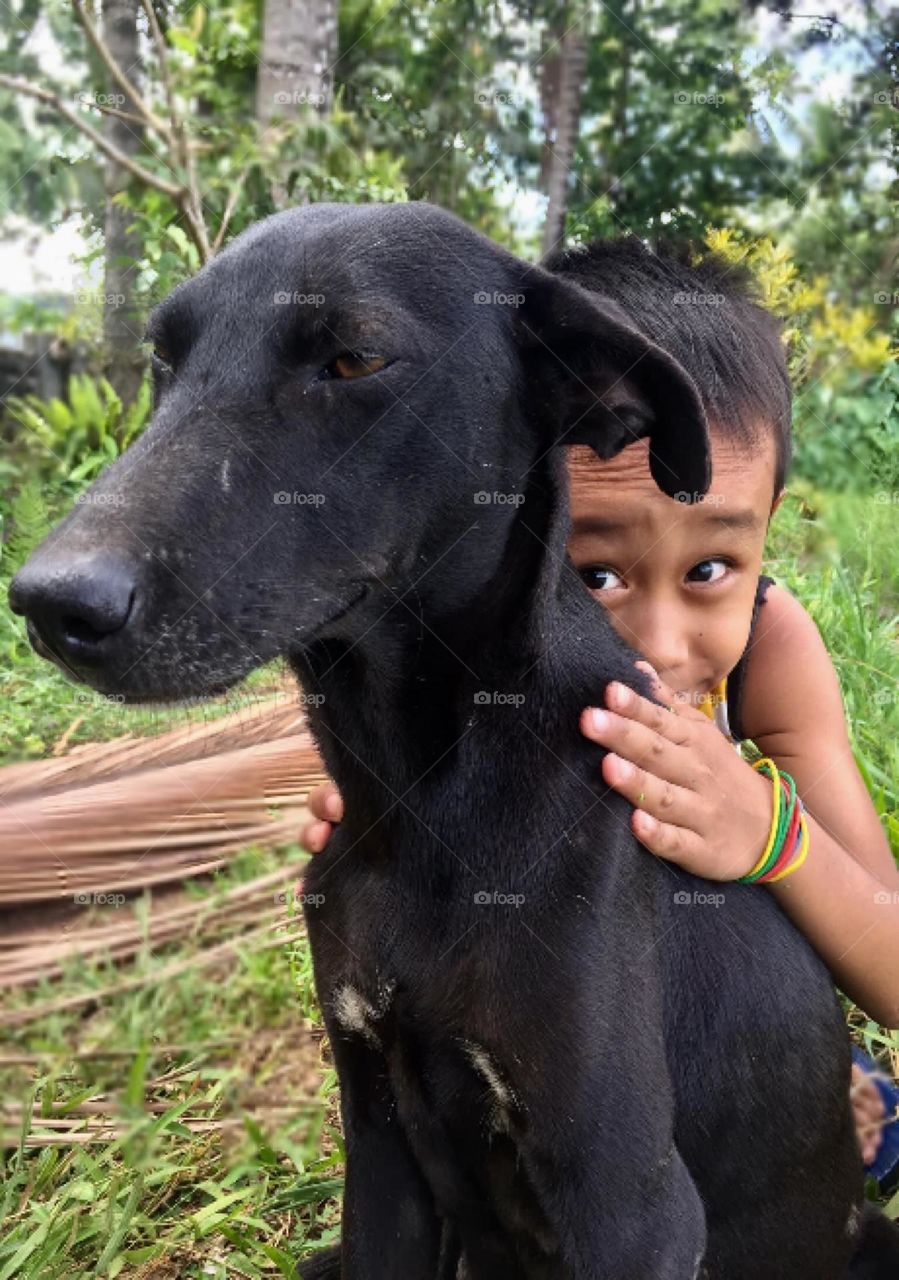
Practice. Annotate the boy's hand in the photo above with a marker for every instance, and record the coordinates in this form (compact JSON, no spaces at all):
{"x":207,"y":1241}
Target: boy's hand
{"x":696,"y":802}
{"x":326,"y":803}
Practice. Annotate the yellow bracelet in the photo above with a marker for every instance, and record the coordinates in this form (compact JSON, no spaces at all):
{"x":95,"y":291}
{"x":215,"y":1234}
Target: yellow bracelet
{"x":800,"y":857}
{"x":775,"y":811}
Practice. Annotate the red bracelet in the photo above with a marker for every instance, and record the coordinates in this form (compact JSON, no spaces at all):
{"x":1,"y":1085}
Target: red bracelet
{"x":790,"y":844}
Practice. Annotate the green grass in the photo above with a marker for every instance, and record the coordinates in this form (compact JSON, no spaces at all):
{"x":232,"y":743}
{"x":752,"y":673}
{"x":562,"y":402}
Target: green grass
{"x":248,"y":1201}
{"x":836,"y":553}
{"x":243,"y":1201}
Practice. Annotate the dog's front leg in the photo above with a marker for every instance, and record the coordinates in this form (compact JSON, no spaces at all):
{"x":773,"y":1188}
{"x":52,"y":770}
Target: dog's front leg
{"x":391,"y":1230}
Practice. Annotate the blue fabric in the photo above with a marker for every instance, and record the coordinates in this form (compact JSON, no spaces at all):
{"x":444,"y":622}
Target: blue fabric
{"x":885,"y":1167}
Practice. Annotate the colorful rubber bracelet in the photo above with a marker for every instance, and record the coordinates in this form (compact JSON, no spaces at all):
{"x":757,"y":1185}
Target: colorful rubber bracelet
{"x":801,"y":856}
{"x":772,"y":772}
{"x":787,"y":809}
{"x":784,"y":795}
{"x":790,"y":846}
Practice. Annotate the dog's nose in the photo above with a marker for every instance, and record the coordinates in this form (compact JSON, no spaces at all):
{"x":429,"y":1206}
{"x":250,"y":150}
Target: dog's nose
{"x":74,"y":602}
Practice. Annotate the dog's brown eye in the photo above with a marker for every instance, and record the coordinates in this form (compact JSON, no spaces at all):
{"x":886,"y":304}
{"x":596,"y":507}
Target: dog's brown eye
{"x":162,"y":353}
{"x":350,"y":365}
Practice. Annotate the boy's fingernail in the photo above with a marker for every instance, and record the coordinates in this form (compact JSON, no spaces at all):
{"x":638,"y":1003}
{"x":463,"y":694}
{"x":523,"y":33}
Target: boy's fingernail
{"x":599,"y":720}
{"x":332,"y":805}
{"x":618,"y":694}
{"x":623,"y":768}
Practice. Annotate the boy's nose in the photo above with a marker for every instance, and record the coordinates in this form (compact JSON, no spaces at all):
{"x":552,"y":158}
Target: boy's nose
{"x":665,"y":644}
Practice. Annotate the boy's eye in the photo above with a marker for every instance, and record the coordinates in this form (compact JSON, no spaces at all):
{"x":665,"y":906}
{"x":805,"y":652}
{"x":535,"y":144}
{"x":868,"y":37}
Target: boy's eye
{"x":708,"y":571}
{"x":599,"y":578}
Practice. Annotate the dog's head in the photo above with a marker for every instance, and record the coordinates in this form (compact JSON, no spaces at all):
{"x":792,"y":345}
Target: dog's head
{"x":349,"y":401}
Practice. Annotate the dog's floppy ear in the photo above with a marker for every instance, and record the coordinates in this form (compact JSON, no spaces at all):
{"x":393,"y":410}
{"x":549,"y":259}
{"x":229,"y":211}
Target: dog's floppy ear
{"x":595,"y":379}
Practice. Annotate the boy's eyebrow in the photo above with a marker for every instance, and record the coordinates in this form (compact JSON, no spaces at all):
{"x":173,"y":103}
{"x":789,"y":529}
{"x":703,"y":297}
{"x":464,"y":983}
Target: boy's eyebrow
{"x":744,"y":519}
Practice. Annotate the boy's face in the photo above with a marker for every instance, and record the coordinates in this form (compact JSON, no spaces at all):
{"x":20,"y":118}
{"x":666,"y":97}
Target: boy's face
{"x":678,"y":579}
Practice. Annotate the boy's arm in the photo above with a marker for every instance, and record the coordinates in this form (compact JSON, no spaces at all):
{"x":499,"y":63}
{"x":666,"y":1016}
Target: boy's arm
{"x":845,"y":898}
{"x":793,"y":711}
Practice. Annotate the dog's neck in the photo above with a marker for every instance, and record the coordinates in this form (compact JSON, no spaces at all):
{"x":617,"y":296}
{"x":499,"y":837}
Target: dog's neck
{"x":397,"y":701}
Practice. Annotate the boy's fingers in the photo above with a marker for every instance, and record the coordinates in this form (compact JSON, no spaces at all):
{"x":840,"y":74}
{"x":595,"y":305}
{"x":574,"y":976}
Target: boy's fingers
{"x":659,"y":798}
{"x":667,"y":696}
{"x":315,"y":835}
{"x":641,"y":745}
{"x":326,"y":802}
{"x":671,"y":719}
{"x":660,"y":688}
{"x":666,"y":839}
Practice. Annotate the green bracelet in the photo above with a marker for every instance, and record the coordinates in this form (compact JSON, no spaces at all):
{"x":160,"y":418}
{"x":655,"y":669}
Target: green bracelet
{"x":784,"y":820}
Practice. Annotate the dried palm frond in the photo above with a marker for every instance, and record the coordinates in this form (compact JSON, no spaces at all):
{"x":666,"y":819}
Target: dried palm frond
{"x":276,"y":717}
{"x":156,"y":826}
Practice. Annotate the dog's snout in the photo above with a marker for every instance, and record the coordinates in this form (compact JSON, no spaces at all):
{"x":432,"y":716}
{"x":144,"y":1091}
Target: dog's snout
{"x":74,"y":602}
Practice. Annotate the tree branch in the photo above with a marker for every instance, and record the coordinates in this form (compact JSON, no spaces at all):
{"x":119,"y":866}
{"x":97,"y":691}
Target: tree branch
{"x":127,"y":116}
{"x":121,"y":79}
{"x":192,"y":204}
{"x":233,"y":197}
{"x":162,"y":51}
{"x":62,"y":108}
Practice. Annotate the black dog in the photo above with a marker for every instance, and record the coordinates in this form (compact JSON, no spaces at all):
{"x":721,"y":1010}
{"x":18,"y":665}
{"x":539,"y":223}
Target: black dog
{"x":548,"y":1068}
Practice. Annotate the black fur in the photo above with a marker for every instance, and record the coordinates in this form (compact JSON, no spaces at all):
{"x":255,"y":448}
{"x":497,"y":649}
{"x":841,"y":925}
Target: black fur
{"x":589,"y":1079}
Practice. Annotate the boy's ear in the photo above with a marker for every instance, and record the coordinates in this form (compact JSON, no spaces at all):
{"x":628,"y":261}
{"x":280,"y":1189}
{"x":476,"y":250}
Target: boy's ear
{"x":595,"y":379}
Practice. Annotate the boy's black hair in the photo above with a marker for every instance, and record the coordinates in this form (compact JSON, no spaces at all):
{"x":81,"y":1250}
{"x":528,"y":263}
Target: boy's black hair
{"x":705,"y":312}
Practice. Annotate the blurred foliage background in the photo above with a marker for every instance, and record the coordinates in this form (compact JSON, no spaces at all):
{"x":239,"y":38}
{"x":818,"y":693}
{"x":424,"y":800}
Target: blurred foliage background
{"x":158,"y":129}
{"x":155,"y":130}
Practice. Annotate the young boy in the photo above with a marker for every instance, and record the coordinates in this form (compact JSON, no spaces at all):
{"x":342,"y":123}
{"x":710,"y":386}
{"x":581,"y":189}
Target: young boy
{"x":733,"y":655}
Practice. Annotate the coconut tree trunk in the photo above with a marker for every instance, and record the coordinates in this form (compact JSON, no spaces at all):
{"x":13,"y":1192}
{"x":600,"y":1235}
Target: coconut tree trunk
{"x":122,"y":322}
{"x":561,"y":78}
{"x":299,"y":49}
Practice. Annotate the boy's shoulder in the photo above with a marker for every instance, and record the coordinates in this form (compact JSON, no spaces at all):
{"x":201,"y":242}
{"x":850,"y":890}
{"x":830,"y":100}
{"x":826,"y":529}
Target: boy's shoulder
{"x":790,"y":688}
